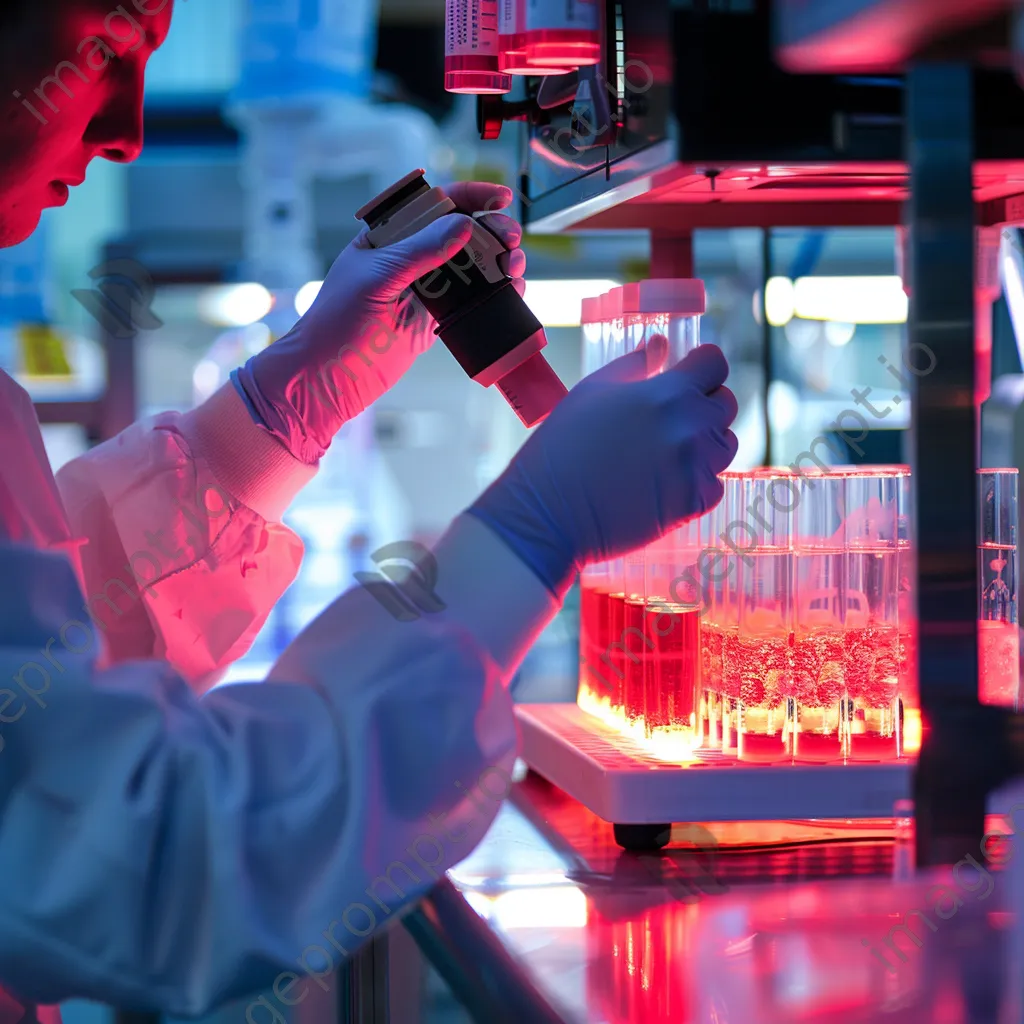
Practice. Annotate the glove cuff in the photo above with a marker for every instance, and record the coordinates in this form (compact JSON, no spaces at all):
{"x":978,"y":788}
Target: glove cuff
{"x":528,"y":533}
{"x":247,"y":461}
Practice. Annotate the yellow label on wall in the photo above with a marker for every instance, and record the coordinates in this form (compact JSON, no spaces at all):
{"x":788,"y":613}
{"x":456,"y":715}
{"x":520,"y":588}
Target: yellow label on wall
{"x":43,"y":351}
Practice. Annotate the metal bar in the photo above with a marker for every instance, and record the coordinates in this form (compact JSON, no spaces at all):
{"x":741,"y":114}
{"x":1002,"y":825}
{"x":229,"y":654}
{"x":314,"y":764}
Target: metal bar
{"x":479,"y":970}
{"x":86,"y":414}
{"x":677,"y":213}
{"x":120,"y":401}
{"x":939,"y":364}
{"x":363,"y":985}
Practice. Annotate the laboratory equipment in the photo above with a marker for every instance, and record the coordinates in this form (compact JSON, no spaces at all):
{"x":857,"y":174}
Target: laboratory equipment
{"x":998,"y":637}
{"x":758,"y":653}
{"x":871,"y":581}
{"x":640,"y":618}
{"x":542,"y":37}
{"x":820,"y":616}
{"x":482,"y":319}
{"x":896,"y":137}
{"x":714,"y":576}
{"x":765,"y":635}
{"x":769,"y":637}
{"x":732,"y":518}
{"x":471,"y":48}
{"x":907,"y":612}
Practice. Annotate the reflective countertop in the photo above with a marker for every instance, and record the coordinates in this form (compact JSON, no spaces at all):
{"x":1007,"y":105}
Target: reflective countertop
{"x":745,"y":924}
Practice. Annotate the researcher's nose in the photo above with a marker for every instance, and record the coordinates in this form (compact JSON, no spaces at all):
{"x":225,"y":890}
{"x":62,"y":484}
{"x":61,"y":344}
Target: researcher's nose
{"x":116,"y":130}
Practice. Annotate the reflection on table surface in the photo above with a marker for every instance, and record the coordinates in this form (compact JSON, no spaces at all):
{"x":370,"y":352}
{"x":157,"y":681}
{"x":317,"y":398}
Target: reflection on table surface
{"x":741,"y":924}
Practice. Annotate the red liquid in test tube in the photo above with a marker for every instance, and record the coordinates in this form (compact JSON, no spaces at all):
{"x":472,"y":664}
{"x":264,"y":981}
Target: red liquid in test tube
{"x":616,"y":618}
{"x":758,"y":657}
{"x":998,"y":635}
{"x":999,"y":656}
{"x":873,"y":569}
{"x":819,"y":645}
{"x":673,"y":668}
{"x":637,"y":657}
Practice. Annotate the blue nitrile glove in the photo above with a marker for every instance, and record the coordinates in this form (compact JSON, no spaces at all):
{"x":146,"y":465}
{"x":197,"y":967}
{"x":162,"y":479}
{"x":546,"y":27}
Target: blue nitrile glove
{"x":621,"y":461}
{"x":365,"y":329}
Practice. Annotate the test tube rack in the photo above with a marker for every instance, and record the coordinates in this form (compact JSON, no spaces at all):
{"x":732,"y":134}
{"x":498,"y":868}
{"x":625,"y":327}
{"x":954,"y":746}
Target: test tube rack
{"x":623,"y":784}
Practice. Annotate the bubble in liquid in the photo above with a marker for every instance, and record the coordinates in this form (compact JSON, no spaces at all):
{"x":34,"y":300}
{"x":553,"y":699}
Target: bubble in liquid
{"x":831,"y":683}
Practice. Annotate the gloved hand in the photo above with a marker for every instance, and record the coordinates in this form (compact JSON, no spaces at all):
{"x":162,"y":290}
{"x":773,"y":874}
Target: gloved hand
{"x":620,"y":461}
{"x":365,"y":328}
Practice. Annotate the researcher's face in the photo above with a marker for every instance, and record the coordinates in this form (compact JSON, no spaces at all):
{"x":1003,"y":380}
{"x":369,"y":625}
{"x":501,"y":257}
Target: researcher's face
{"x":71,"y":84}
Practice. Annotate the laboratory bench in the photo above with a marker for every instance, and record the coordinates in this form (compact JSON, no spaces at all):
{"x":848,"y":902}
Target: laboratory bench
{"x":732,"y":923}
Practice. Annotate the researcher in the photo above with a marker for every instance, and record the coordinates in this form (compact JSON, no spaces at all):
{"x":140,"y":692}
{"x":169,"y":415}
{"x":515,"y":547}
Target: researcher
{"x":169,"y":846}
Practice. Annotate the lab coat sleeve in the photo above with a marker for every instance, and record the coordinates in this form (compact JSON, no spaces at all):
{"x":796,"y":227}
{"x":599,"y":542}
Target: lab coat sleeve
{"x":169,"y":852}
{"x":186,"y":554}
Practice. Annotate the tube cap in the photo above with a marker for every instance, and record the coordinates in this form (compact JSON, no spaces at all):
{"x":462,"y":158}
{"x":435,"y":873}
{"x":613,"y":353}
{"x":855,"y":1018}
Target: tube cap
{"x":590,"y":312}
{"x":674,"y":296}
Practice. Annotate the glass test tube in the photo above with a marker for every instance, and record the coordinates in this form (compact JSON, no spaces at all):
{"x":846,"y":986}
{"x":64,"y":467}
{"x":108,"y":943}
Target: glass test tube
{"x":816,"y":720}
{"x":672,"y":682}
{"x":871,"y":629}
{"x":671,"y":307}
{"x":713,"y":567}
{"x":615,"y":348}
{"x":594,"y":589}
{"x":730,"y":538}
{"x":759,"y":657}
{"x":910,"y":702}
{"x":998,"y":638}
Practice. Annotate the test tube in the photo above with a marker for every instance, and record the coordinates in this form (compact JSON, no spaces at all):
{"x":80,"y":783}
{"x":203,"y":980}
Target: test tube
{"x":713,"y":568}
{"x":816,"y":724}
{"x":471,"y":55}
{"x":635,"y":641}
{"x":871,"y":527}
{"x":615,"y":648}
{"x":594,"y":689}
{"x":674,"y":606}
{"x":616,"y":333}
{"x":759,"y":657}
{"x":673,"y":589}
{"x":910,"y":702}
{"x":731,"y":538}
{"x":998,"y":638}
{"x":685,"y":302}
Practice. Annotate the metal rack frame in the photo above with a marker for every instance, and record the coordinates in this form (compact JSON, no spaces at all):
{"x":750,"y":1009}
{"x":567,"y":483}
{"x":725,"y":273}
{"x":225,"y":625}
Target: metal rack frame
{"x":117,"y":408}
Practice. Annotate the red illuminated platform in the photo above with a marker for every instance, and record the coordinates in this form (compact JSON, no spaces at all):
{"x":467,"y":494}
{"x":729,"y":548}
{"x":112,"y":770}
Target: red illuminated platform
{"x":622,"y":783}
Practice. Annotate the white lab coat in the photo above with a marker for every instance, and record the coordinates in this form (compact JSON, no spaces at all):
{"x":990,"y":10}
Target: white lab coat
{"x":165,"y":851}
